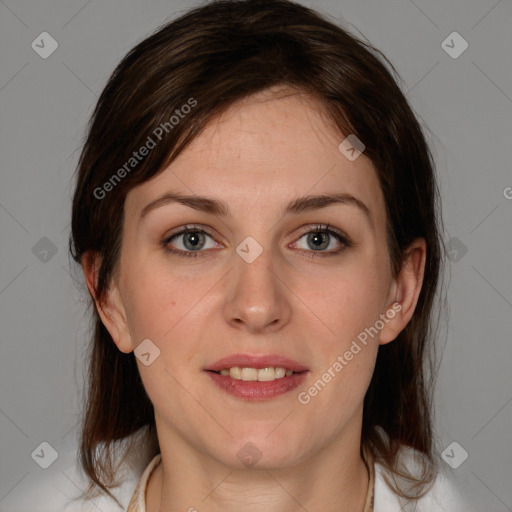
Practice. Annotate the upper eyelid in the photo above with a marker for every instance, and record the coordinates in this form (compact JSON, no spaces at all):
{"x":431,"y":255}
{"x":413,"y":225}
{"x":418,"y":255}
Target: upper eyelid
{"x":184,"y":229}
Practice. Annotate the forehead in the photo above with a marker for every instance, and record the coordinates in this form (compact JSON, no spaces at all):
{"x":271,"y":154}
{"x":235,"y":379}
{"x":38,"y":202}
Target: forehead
{"x":261,"y":152}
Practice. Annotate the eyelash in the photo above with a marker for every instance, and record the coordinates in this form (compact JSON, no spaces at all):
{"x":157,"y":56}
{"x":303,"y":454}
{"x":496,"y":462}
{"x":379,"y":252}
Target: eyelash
{"x":319,"y":228}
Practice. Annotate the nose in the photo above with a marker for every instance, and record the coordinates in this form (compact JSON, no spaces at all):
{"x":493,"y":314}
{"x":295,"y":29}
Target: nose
{"x":257,"y":299}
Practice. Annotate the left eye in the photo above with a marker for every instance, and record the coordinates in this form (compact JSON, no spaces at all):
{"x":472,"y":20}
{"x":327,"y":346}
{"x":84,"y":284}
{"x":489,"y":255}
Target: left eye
{"x":321,"y":239}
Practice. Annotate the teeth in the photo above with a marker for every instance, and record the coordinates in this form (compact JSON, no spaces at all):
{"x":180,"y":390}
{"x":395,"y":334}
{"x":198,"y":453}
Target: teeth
{"x":280,"y":372}
{"x":265,"y":374}
{"x":250,"y":374}
{"x":253,"y":374}
{"x":235,"y":372}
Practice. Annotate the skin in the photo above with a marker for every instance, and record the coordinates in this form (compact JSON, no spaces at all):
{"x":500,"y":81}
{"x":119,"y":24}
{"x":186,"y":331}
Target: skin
{"x":259,"y":155}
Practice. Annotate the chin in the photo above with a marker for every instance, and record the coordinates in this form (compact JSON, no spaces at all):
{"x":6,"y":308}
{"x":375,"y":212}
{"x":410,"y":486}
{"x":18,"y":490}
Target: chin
{"x":259,"y":451}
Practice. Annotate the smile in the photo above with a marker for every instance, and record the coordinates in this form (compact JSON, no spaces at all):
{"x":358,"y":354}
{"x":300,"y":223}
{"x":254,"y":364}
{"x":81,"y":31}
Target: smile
{"x":257,"y":376}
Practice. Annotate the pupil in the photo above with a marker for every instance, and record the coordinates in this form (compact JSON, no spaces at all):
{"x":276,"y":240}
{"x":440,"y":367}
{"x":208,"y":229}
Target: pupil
{"x":192,"y":240}
{"x":318,"y":240}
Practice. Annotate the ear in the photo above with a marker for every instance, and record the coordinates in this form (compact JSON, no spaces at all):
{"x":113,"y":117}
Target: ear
{"x":405,"y":291}
{"x":110,"y":308}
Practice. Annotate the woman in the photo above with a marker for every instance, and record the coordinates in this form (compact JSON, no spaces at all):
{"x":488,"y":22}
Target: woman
{"x":256,"y":217}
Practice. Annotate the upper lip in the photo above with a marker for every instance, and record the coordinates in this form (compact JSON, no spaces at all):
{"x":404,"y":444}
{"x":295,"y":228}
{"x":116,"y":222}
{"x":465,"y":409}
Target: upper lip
{"x":256,"y":361}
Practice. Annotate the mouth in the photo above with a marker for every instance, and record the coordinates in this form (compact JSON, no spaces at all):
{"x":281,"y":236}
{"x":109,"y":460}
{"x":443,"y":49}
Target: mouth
{"x":257,"y":377}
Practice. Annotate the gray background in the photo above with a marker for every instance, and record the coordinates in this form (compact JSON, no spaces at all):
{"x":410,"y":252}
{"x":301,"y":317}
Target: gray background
{"x":465,"y":103}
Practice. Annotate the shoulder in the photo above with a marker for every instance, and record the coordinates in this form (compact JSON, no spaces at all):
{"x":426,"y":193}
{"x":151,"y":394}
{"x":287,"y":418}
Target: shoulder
{"x":61,"y":487}
{"x":443,"y":496}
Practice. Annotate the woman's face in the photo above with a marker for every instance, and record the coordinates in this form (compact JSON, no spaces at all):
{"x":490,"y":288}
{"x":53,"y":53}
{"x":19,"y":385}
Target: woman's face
{"x":304,"y":302}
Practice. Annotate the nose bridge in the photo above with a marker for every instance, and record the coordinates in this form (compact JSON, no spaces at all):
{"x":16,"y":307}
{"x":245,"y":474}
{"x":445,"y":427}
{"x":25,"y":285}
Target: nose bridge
{"x":254,"y":268}
{"x":256,"y":298}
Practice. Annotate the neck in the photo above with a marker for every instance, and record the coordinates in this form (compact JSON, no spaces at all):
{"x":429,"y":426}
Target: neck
{"x":334,"y":478}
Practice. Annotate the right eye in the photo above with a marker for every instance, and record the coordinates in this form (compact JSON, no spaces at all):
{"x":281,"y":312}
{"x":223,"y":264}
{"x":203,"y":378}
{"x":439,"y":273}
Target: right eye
{"x":190,"y":241}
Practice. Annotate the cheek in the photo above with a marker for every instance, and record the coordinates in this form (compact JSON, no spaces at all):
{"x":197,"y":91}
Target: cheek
{"x":346,"y":298}
{"x":168,"y":305}
{"x":154,"y":301}
{"x":351,"y":303}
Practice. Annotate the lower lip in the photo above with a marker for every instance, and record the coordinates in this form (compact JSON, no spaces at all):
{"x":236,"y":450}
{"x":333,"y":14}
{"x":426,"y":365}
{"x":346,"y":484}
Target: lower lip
{"x":256,"y":390}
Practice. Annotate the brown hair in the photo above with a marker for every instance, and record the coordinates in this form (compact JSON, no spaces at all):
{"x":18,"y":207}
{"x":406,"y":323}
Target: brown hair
{"x":210,"y":58}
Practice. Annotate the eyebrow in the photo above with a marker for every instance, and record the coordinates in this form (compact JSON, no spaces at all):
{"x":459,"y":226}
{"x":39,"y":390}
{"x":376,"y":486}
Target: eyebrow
{"x":221,"y":208}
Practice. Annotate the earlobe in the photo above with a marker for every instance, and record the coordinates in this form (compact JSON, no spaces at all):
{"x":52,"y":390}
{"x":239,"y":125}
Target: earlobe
{"x":393,"y":323}
{"x":406,"y":290}
{"x":110,"y":307}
